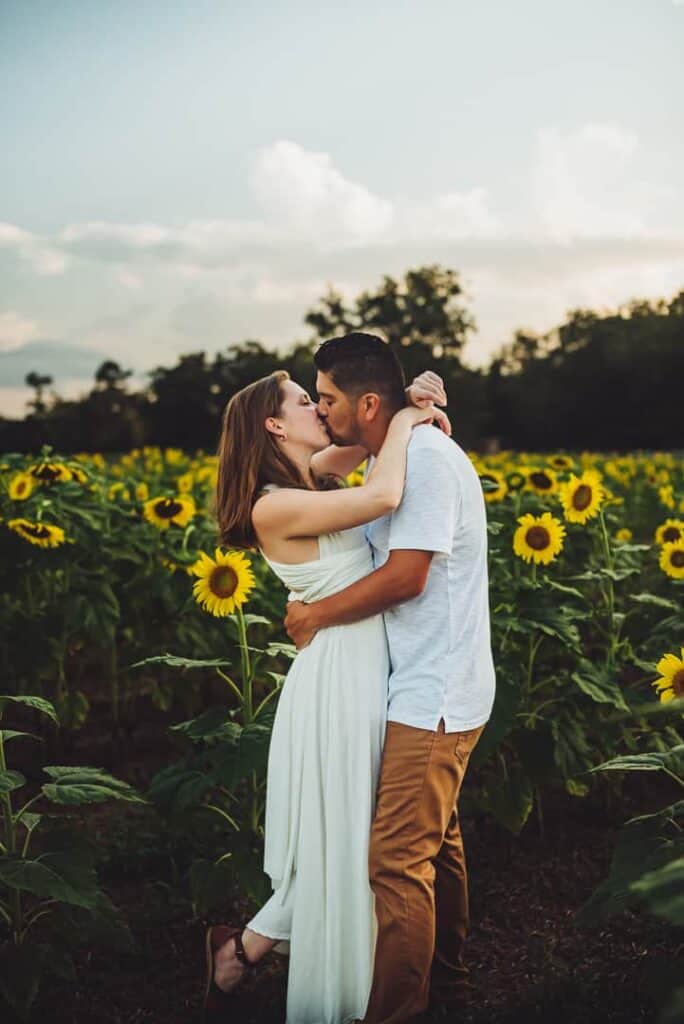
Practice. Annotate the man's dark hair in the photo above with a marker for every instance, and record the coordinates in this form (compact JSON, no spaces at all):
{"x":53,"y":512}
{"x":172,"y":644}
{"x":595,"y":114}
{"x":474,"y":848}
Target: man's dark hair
{"x":359,"y":362}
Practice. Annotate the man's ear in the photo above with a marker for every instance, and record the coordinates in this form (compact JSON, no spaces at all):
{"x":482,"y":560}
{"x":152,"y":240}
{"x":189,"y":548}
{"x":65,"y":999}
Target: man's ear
{"x":368,"y":406}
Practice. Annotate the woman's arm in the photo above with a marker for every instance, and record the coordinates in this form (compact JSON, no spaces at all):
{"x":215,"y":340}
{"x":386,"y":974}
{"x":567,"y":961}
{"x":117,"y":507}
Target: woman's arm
{"x":287,"y":512}
{"x":336,"y":460}
{"x":427,"y":388}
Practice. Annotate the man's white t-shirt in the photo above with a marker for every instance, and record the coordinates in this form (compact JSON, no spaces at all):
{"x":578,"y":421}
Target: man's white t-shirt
{"x":439,"y":642}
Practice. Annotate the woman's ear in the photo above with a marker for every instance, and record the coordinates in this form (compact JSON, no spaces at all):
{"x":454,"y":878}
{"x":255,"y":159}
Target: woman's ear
{"x":273,"y":427}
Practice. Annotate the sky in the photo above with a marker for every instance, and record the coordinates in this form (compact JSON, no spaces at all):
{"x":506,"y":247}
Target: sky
{"x":181,"y":176}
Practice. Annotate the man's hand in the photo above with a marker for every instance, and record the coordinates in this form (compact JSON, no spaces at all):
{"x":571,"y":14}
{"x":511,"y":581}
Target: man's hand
{"x":299,"y":624}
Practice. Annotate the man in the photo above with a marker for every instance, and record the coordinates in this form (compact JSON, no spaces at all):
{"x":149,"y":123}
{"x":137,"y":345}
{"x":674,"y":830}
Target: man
{"x":431,"y":582}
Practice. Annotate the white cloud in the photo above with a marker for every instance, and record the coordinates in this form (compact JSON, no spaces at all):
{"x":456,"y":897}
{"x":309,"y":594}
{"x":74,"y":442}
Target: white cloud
{"x":584,"y":187}
{"x":46,"y":259}
{"x":304,"y":191}
{"x":15,"y":331}
{"x":143,"y":292}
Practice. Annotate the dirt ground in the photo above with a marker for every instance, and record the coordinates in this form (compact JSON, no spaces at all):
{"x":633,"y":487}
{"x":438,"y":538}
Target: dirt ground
{"x":528,"y":960}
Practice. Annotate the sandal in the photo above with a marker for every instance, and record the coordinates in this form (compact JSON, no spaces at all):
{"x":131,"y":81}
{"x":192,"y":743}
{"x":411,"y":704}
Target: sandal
{"x":216,"y":1001}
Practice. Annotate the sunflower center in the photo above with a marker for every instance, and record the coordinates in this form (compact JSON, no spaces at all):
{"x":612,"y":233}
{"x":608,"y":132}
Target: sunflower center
{"x":223,"y":581}
{"x":46,"y":472}
{"x":541,"y":480}
{"x":677,"y":559}
{"x":538,"y":538}
{"x":678,"y":683}
{"x":581,"y":499}
{"x":167,"y":508}
{"x":671,"y":533}
{"x":37,"y":530}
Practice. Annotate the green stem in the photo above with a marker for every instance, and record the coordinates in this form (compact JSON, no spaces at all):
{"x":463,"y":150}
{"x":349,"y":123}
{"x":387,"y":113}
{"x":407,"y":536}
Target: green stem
{"x":246,"y":669}
{"x":534,"y":647}
{"x":11,"y":837}
{"x":265,"y":701}
{"x":612,"y":636}
{"x":673,"y":775}
{"x":234,"y":687}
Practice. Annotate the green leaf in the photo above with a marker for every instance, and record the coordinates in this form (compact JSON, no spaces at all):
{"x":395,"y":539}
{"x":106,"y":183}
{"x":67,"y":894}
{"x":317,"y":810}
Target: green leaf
{"x":599,"y":686}
{"x":45,"y":707}
{"x":80,"y":785}
{"x":213,"y":723}
{"x":9,"y":734}
{"x":648,"y":762}
{"x":644,"y":843}
{"x":10,"y":780}
{"x":253,"y":620}
{"x":512,"y":799}
{"x":231,"y":763}
{"x":276,"y":647}
{"x":500,"y":723}
{"x":176,"y":661}
{"x":563,"y":588}
{"x":656,"y":600}
{"x":30,"y":820}
{"x":39,"y":879}
{"x":662,"y":891}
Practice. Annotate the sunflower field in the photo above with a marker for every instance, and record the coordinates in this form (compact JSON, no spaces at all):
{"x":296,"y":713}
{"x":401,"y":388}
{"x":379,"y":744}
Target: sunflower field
{"x":107,"y":562}
{"x":117,"y":603}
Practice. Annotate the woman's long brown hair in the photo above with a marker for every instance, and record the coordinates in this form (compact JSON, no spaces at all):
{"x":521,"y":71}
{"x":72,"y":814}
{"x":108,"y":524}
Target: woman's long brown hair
{"x":249,"y":458}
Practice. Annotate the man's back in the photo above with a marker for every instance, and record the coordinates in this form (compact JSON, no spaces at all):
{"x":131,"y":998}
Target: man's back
{"x":439,"y":642}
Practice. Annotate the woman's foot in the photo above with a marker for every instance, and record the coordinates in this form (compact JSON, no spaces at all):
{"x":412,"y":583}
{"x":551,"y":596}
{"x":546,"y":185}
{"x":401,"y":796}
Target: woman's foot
{"x":228,"y":970}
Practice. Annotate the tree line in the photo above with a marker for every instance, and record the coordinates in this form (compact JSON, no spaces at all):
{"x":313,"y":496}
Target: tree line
{"x":597,"y":381}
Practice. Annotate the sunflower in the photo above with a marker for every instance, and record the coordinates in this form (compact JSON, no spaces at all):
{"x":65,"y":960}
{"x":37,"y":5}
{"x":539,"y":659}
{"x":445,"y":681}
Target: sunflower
{"x":142,"y":491}
{"x":561,"y":462}
{"x":21,"y":486}
{"x":175,"y":567}
{"x":161,"y":512}
{"x":666,"y":495}
{"x":224,"y":583}
{"x":355,"y":478}
{"x":581,"y":496}
{"x":45,"y":535}
{"x":498,"y":488}
{"x":515,"y":480}
{"x":671,"y":682}
{"x":538,"y":538}
{"x":77,"y":474}
{"x":49,"y":471}
{"x":207,"y":474}
{"x":542,"y":481}
{"x":623,"y":536}
{"x":669,"y":531}
{"x":184,"y":483}
{"x":672,"y":559}
{"x":120,"y":489}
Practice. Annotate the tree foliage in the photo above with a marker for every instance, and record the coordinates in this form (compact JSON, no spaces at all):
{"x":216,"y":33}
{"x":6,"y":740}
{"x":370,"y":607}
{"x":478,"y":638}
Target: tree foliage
{"x":604,"y":381}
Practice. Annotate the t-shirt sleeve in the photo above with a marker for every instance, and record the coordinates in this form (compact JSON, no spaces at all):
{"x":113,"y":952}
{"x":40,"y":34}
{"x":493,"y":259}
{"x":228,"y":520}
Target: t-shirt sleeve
{"x":430,"y":506}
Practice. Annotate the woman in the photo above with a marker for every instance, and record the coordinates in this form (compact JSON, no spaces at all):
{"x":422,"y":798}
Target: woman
{"x":275,"y":491}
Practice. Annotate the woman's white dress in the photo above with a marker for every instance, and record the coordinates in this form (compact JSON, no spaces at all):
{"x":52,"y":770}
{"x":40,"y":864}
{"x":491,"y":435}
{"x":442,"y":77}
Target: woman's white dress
{"x":323,"y":767}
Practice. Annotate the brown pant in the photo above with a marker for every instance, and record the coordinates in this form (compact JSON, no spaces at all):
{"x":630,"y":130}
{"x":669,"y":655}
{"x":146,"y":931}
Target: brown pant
{"x":418,"y":871}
